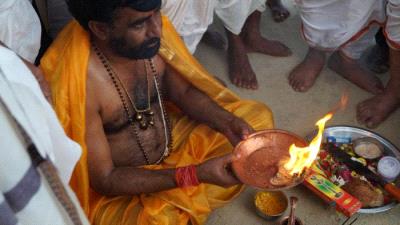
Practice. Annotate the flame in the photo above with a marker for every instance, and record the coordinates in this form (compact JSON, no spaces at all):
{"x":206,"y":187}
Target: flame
{"x":302,"y":158}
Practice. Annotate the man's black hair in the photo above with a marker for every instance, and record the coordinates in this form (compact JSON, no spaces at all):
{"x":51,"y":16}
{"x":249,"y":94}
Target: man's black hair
{"x":103,"y":10}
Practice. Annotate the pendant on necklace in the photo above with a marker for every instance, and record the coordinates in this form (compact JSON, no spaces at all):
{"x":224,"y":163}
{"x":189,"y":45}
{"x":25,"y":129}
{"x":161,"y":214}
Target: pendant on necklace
{"x":145,"y":119}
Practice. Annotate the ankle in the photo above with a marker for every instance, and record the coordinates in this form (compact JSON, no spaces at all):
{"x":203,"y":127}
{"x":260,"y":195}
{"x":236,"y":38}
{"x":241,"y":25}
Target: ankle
{"x":393,"y":93}
{"x":316,"y":55}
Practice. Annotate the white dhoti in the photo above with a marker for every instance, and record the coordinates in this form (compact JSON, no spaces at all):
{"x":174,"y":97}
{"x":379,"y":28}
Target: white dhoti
{"x":20,"y":28}
{"x":191,"y":18}
{"x":392,"y":29}
{"x":346,"y":25}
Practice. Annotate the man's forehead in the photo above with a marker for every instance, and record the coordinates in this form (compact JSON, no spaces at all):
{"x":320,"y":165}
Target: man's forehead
{"x":143,"y":5}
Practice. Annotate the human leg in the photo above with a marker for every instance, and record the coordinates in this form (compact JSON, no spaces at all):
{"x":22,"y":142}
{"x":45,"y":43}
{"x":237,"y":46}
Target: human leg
{"x":351,"y":70}
{"x":240,"y":72}
{"x":255,"y":42}
{"x":250,"y":40}
{"x":345,"y":63}
{"x":242,"y":23}
{"x":378,"y":57}
{"x":375,"y":110}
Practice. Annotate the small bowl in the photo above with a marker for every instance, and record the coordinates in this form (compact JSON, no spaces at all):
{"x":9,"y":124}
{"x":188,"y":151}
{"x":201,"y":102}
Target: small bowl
{"x":263,"y":201}
{"x":285,"y":221}
{"x":371,"y":148}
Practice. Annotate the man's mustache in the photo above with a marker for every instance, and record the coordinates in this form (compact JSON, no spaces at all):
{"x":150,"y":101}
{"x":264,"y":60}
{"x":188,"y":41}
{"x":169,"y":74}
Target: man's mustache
{"x":150,"y":43}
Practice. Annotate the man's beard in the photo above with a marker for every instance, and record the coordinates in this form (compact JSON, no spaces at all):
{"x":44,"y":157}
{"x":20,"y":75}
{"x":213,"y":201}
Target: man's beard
{"x":143,"y":51}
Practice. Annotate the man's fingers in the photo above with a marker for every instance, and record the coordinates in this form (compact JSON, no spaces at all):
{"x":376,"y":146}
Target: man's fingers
{"x":246,"y":131}
{"x":226,"y":159}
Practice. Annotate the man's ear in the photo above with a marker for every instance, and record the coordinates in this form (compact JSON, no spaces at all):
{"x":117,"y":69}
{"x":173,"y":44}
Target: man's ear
{"x":99,"y":29}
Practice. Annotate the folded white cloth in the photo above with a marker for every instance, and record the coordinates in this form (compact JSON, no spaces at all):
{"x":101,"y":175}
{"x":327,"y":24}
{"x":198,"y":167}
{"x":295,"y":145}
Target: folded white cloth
{"x":22,"y":95}
{"x":20,"y":28}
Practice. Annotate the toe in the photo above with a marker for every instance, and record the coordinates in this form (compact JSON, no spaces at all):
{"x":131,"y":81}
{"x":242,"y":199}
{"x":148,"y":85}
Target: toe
{"x":254,"y":84}
{"x":372,"y":124}
{"x":296,"y":86}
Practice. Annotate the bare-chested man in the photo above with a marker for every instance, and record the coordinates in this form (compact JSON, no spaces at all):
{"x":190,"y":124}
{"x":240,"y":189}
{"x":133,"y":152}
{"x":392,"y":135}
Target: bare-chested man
{"x":346,"y":28}
{"x":130,"y":94}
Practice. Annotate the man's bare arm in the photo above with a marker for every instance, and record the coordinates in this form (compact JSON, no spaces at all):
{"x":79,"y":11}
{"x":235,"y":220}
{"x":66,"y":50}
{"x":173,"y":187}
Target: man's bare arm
{"x":198,"y":106}
{"x":109,"y":180}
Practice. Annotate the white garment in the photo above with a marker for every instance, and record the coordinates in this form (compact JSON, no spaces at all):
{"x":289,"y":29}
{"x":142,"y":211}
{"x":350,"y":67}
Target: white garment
{"x":349,"y":25}
{"x":25,"y":195}
{"x":393,"y":24}
{"x":22,"y":95}
{"x":20,"y":28}
{"x":234,"y":13}
{"x":191,"y":18}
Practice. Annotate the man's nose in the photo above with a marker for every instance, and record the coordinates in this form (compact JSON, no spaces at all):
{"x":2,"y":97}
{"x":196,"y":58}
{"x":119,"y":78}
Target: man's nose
{"x":154,"y":27}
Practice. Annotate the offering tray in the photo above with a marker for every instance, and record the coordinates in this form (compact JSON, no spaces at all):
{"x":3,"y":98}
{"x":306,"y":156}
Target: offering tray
{"x":349,"y":134}
{"x":257,"y":159}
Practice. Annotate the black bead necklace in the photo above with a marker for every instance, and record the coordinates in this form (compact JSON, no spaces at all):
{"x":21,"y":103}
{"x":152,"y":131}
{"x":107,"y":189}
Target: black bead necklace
{"x":144,"y":117}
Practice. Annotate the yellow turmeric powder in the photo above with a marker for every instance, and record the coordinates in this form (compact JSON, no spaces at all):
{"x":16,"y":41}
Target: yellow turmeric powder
{"x":271,"y":203}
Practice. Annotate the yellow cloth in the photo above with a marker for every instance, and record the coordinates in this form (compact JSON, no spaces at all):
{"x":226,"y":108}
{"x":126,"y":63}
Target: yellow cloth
{"x":65,"y":66}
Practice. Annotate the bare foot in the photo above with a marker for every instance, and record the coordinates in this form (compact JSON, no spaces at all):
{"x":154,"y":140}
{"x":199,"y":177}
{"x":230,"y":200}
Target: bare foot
{"x":375,"y":110}
{"x":279,"y":12}
{"x":214,"y":39}
{"x":256,"y":43}
{"x":240,"y":72}
{"x":352,"y":71}
{"x":304,"y":74}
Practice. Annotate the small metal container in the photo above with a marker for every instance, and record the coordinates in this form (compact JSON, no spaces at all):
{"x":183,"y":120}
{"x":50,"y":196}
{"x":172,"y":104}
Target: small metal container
{"x":263,"y":198}
{"x":285,"y":221}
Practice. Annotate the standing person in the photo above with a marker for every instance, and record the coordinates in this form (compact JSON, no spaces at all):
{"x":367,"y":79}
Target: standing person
{"x":37,"y":158}
{"x":345,"y":29}
{"x":378,"y":108}
{"x":241,"y":19}
{"x":124,"y":92}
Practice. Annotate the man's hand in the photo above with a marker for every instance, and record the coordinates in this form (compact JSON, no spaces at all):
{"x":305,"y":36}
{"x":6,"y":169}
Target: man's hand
{"x":236,"y":130}
{"x":217,"y":171}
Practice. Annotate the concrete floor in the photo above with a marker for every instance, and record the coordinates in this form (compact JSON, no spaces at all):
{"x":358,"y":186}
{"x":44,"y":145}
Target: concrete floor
{"x":296,"y":112}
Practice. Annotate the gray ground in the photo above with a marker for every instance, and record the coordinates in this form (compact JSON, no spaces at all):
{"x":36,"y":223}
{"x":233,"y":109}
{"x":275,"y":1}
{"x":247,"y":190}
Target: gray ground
{"x":296,"y":112}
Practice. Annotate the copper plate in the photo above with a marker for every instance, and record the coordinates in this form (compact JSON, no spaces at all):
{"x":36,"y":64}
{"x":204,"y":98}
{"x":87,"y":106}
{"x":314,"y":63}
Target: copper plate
{"x":257,"y":158}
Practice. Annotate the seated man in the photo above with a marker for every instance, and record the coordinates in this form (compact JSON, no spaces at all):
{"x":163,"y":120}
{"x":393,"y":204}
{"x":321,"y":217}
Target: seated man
{"x":32,"y":191}
{"x":123,"y":98}
{"x":241,"y":20}
{"x":327,"y":28}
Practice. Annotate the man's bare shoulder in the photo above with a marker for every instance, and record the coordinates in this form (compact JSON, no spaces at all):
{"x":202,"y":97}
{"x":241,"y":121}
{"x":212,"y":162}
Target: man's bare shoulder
{"x":96,"y":83}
